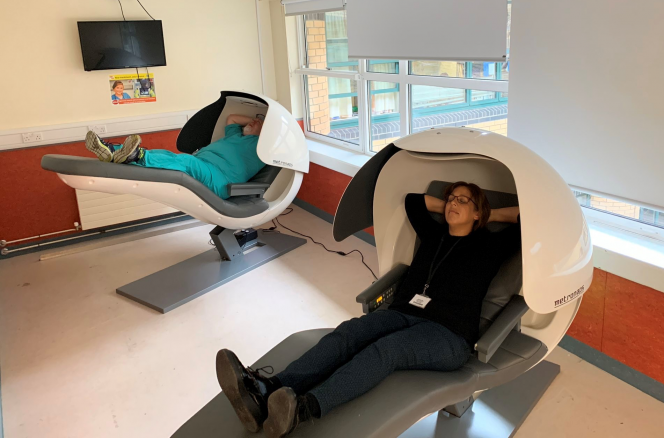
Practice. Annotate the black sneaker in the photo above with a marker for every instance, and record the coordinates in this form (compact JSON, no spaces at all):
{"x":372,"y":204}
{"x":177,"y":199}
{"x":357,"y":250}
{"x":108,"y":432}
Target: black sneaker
{"x":286,"y":412}
{"x":245,"y":388}
{"x":102,"y":149}
{"x":130,"y":151}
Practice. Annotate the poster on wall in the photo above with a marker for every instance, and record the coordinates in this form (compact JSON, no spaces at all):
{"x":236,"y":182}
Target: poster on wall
{"x":138,"y":88}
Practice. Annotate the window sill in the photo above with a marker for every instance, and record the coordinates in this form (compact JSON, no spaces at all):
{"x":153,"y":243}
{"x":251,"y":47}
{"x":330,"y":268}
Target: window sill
{"x":335,"y":158}
{"x":619,"y":251}
{"x":626,"y":254}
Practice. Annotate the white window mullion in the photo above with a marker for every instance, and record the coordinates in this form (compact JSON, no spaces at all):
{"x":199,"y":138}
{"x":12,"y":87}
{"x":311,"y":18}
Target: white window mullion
{"x":353,"y":76}
{"x":301,"y":43}
{"x":363,"y":108}
{"x":404,"y":98}
{"x":467,"y":84}
{"x":381,"y":77}
{"x":301,"y":60}
{"x":305,"y":106}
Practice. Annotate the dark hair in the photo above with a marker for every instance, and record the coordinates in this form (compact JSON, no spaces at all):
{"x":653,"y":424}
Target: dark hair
{"x":481,"y":203}
{"x":116,"y":83}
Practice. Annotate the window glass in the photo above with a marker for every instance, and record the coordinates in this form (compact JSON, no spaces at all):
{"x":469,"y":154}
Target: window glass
{"x":326,"y":42}
{"x":385,"y":118}
{"x":448,"y":69}
{"x":434,"y":107}
{"x":332,"y":107}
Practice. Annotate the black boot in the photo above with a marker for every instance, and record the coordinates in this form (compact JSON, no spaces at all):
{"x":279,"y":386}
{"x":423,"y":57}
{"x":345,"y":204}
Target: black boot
{"x":245,"y":388}
{"x":286,"y":411}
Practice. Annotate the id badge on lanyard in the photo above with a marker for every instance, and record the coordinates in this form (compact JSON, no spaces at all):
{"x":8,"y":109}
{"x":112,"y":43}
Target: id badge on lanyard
{"x":421,"y":300}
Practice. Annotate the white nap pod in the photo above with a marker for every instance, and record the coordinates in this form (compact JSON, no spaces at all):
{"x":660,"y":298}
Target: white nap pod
{"x":528,"y":307}
{"x":281,"y":146}
{"x":556,"y":248}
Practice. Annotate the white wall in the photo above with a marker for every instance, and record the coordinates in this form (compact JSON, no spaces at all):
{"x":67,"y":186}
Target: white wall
{"x":267,"y":48}
{"x":280,"y":50}
{"x":586,"y":92}
{"x":211,"y":45}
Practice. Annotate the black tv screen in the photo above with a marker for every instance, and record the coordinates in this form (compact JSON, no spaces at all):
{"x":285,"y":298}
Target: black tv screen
{"x":120,"y":44}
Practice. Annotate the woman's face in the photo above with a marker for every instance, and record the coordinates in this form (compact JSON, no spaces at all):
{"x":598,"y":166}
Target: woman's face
{"x":461,"y":214}
{"x":119,"y":89}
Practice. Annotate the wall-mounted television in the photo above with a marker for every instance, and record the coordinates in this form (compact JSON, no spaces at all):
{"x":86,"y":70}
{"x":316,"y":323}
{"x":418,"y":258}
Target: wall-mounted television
{"x":110,"y":45}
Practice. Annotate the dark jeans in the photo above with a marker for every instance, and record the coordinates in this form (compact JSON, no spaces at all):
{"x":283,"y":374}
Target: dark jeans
{"x":363,"y":351}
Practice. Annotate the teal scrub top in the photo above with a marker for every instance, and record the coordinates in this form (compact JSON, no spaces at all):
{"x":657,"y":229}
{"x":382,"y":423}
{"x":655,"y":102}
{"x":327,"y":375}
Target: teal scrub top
{"x":124,"y":96}
{"x":235,"y":155}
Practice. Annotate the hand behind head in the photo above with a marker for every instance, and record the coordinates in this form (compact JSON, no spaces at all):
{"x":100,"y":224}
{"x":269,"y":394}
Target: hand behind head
{"x":253,"y":128}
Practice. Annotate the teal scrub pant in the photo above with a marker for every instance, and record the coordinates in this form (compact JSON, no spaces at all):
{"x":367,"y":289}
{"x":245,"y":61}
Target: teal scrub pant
{"x":198,"y":168}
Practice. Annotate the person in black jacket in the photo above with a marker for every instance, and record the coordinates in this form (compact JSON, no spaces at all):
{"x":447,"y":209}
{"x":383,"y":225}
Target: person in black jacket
{"x":432,"y":324}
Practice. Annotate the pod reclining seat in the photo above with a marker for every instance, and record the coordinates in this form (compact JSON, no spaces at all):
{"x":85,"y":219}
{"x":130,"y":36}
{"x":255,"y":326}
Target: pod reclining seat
{"x":281,"y":146}
{"x":527,"y":310}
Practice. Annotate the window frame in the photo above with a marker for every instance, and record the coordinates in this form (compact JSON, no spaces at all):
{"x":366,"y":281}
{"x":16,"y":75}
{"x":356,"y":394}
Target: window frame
{"x":617,"y":221}
{"x":404,"y":81}
{"x":657,"y":215}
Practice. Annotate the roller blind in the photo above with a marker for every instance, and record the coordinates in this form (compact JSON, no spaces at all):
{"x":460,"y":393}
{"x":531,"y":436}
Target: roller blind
{"x":586,"y":92}
{"x":300,"y":7}
{"x":459,"y":30}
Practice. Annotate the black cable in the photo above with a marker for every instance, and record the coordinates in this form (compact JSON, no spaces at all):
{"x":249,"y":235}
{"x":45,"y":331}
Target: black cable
{"x":146,"y":11}
{"x":341,"y":253}
{"x":273,"y":229}
{"x":122,"y":10}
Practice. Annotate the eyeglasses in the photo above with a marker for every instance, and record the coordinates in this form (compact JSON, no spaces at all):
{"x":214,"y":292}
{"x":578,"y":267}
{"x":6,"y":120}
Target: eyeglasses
{"x":463,"y":200}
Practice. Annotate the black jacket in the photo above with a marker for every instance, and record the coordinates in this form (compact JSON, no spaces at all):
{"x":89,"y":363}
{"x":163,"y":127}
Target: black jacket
{"x":460,"y":284}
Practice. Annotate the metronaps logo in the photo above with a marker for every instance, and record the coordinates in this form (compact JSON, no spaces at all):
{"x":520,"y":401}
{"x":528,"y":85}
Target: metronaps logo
{"x":282,"y":163}
{"x":569,"y":297}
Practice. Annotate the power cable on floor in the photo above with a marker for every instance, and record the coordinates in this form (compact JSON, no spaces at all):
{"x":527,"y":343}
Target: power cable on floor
{"x":273,"y":229}
{"x":341,"y":253}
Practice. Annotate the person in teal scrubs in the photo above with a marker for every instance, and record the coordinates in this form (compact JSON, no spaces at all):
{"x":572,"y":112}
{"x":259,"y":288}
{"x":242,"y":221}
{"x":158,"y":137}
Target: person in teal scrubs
{"x":118,"y":91}
{"x":231,"y":159}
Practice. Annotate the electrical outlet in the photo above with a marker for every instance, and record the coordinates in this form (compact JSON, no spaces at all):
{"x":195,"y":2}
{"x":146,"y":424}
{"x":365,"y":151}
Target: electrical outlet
{"x":98,"y":129}
{"x":30,"y":137}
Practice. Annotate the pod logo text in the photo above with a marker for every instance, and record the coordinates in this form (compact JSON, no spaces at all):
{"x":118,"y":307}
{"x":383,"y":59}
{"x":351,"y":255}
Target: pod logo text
{"x":570,"y":297}
{"x":282,"y":163}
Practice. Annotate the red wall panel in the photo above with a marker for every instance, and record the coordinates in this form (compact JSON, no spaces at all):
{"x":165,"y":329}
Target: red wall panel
{"x":589,"y":322}
{"x":323,"y":188}
{"x":634,"y":326}
{"x":34,"y":201}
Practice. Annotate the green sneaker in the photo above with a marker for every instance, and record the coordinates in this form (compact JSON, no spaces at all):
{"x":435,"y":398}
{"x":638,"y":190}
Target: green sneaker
{"x":130,"y":151}
{"x":102,"y":149}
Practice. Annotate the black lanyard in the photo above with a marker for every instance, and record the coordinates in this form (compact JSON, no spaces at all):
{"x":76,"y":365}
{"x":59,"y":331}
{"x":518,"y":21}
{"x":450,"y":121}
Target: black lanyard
{"x":432,"y":270}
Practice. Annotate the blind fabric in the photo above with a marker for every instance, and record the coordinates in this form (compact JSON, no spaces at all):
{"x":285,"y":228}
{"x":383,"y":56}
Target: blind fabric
{"x":586,"y":93}
{"x":301,"y":7}
{"x":452,"y":30}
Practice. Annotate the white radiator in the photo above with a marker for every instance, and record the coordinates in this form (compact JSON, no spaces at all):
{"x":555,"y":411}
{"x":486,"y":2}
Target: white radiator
{"x":103,"y":209}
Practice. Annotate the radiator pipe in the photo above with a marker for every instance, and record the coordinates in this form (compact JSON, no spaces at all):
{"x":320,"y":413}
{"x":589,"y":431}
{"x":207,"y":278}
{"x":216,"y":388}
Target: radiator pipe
{"x":4,"y":243}
{"x":6,"y":251}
